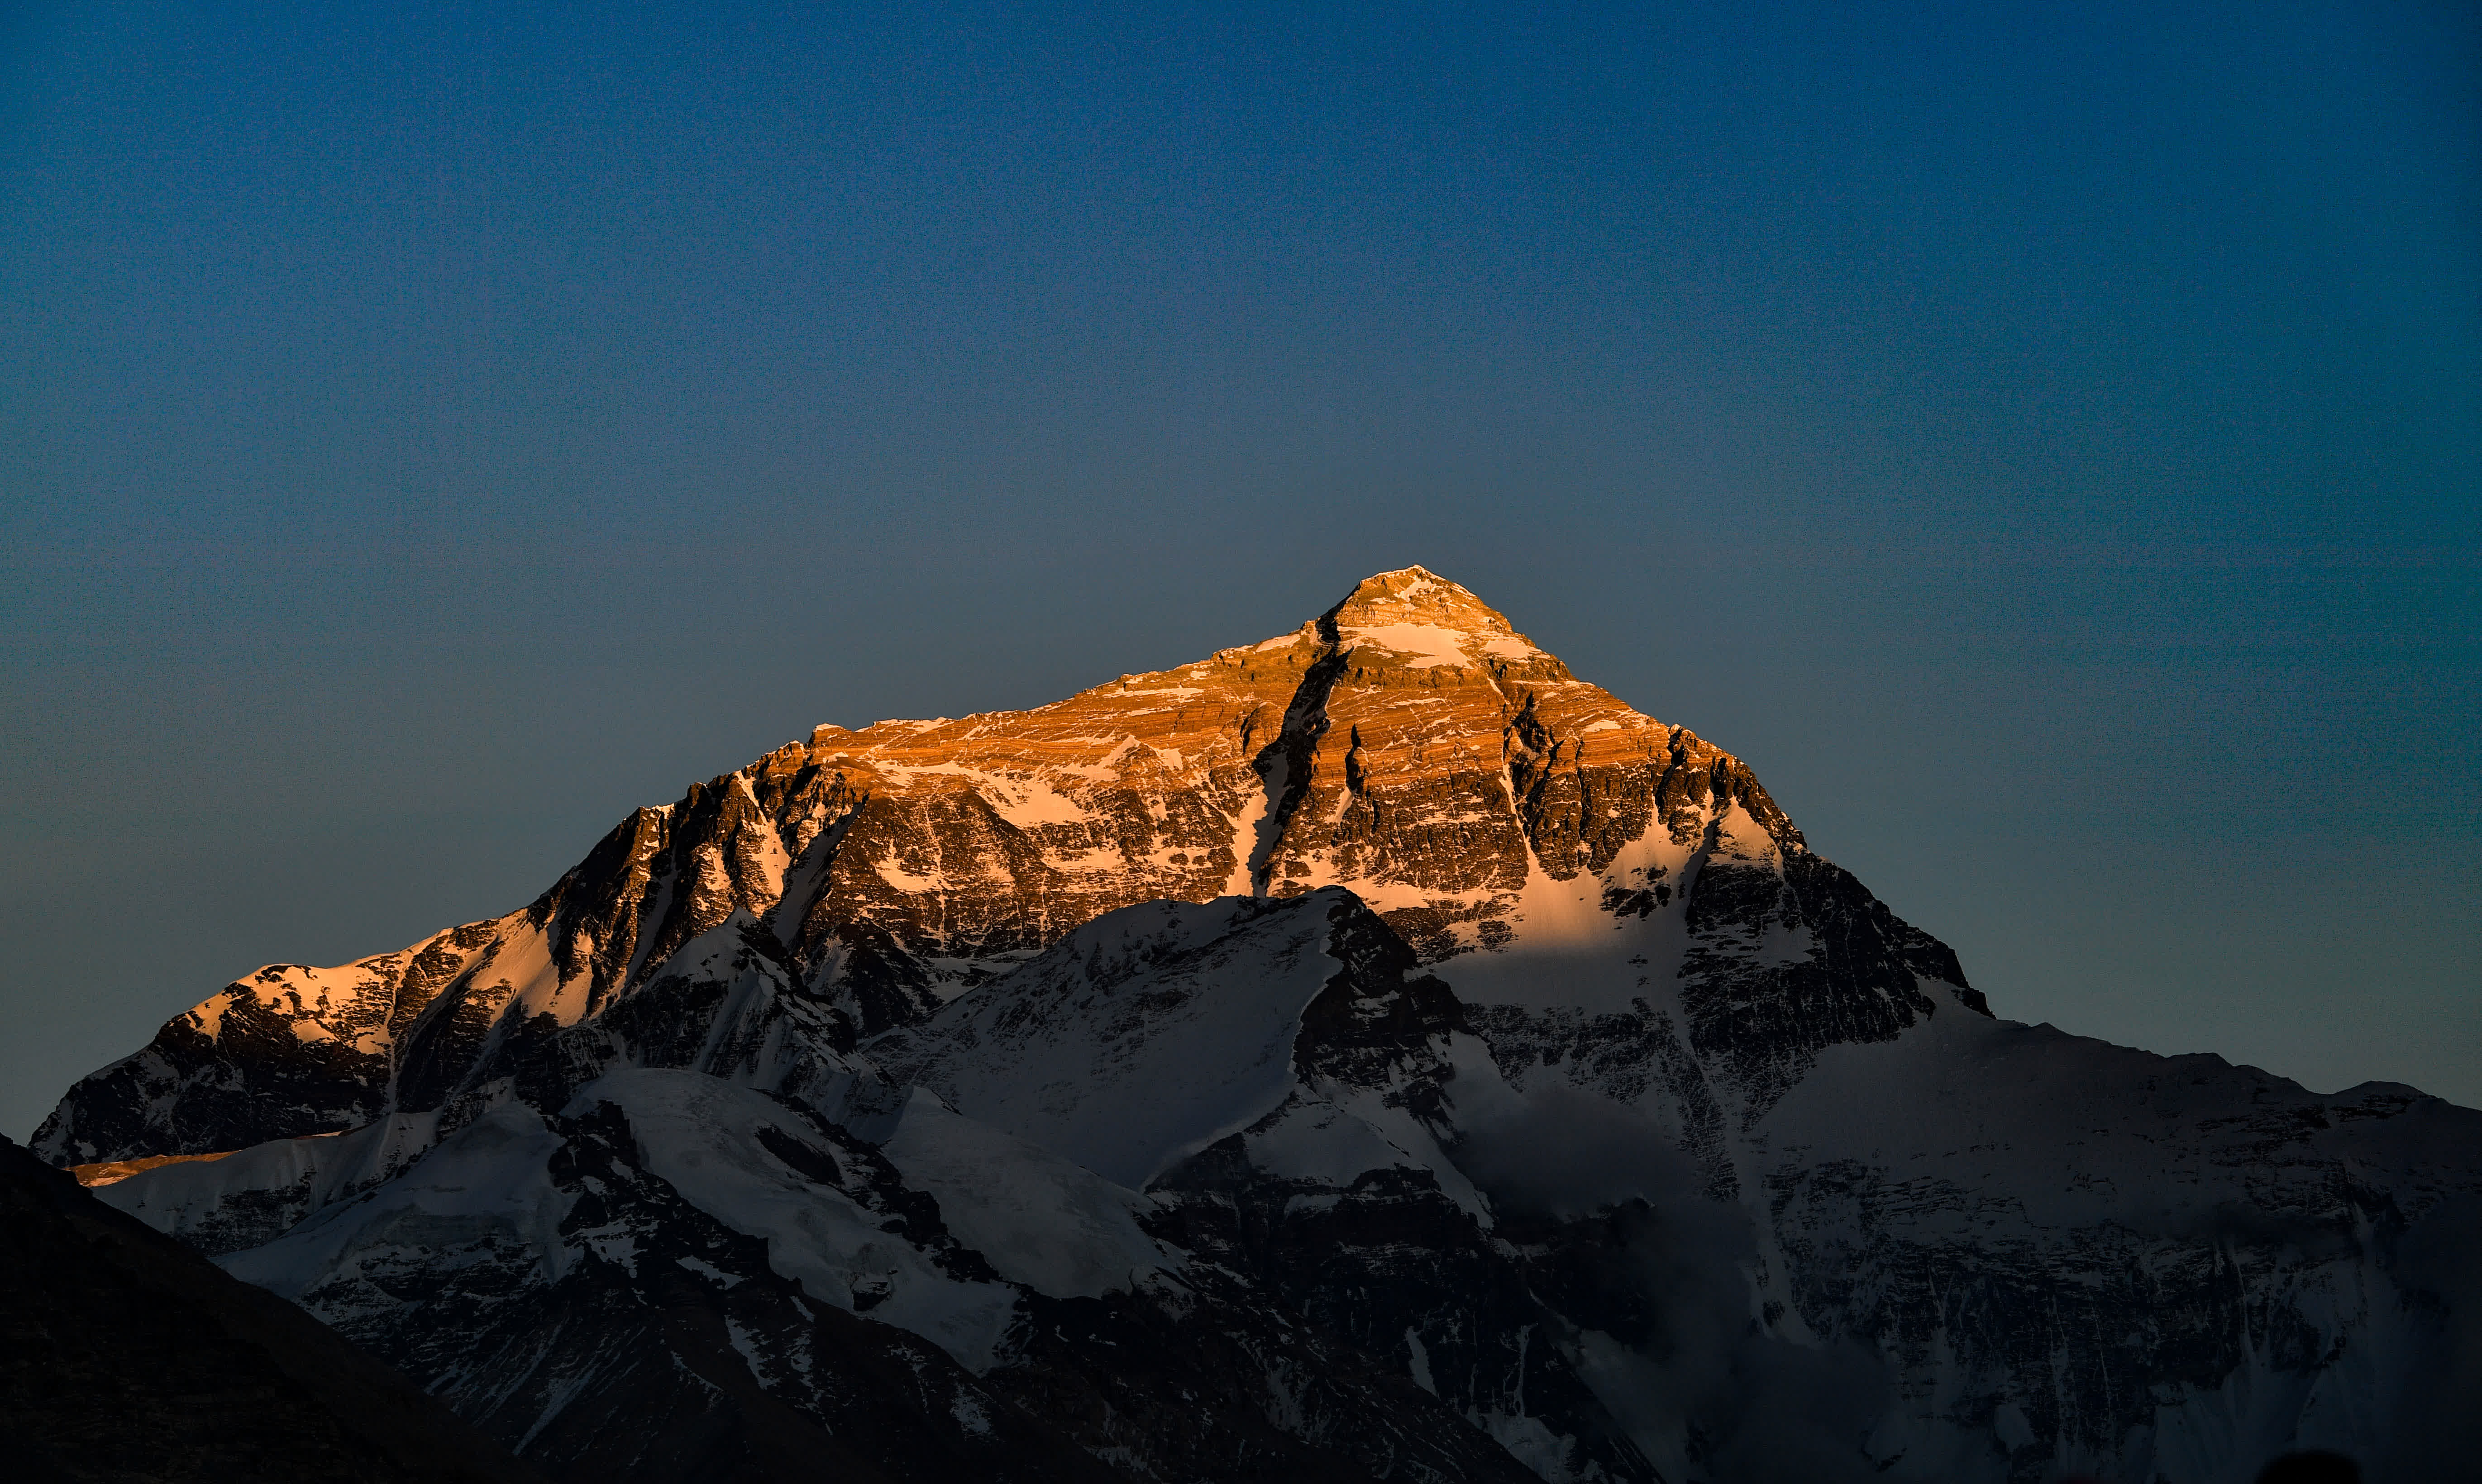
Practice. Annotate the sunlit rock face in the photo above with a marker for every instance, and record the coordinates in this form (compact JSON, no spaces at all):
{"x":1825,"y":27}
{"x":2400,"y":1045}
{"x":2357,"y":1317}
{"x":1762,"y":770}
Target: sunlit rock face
{"x":1555,"y":1084}
{"x":1561,"y":849}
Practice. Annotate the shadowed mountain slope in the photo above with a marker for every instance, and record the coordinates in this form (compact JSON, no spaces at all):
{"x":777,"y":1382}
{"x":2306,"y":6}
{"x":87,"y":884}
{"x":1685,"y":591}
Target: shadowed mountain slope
{"x":126,"y":1356}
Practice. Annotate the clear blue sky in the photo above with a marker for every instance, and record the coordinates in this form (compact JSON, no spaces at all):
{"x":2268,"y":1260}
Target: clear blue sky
{"x":2042,"y":439}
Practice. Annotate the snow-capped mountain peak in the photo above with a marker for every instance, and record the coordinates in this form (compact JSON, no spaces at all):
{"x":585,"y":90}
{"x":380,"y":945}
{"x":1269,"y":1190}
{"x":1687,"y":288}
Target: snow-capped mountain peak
{"x":1370,"y":1050}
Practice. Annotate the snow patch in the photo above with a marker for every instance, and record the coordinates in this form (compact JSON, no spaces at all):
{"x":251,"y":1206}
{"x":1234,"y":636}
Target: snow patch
{"x":701,"y":1134}
{"x":1146,"y":1035}
{"x":1427,"y":643}
{"x":1421,"y":1364}
{"x":1056,"y":1227}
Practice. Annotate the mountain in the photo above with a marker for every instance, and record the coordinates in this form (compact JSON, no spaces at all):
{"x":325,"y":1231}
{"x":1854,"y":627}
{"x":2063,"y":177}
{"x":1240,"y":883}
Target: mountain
{"x":130,"y":1357}
{"x":1373,"y":1050}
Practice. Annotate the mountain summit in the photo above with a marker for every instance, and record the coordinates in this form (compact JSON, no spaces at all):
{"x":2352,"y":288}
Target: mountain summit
{"x":1370,"y":1050}
{"x":1413,"y":612}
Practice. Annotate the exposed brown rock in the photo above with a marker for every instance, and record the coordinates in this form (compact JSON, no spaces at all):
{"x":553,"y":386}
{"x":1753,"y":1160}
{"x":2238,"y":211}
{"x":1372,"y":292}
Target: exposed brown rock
{"x":1408,"y":744}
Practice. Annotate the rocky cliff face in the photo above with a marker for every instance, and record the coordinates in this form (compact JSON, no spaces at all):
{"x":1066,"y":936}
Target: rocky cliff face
{"x":1520,"y":1068}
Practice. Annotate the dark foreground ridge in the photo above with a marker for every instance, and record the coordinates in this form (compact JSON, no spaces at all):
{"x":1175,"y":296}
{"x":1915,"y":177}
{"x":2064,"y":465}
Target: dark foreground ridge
{"x":126,"y":1356}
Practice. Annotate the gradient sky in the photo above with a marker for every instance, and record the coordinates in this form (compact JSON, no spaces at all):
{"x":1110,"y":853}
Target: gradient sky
{"x":2042,"y":439}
